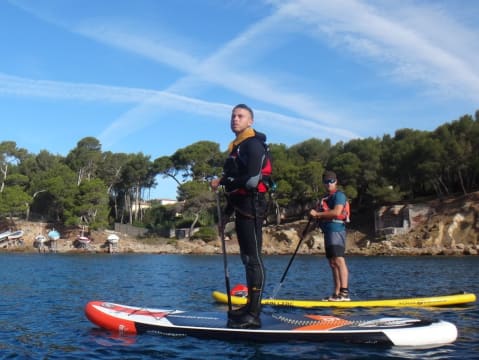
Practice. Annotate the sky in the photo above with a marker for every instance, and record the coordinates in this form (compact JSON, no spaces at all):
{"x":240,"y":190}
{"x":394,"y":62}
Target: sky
{"x":154,"y":76}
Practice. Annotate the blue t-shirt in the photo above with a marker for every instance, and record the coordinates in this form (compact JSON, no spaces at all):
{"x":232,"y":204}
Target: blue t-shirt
{"x":337,"y":225}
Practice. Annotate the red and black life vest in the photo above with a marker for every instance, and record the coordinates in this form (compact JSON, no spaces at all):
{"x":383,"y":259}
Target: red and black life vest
{"x":266,"y":171}
{"x":344,"y":217}
{"x":233,"y":168}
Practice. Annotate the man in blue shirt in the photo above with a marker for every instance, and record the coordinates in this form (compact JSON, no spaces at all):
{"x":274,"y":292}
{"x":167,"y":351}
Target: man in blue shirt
{"x":332,"y":213}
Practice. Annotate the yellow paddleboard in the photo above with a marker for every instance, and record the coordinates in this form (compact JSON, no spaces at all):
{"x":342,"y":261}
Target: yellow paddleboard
{"x":444,"y":300}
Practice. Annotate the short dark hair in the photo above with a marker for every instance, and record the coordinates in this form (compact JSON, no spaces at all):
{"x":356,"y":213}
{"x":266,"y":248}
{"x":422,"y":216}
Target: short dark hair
{"x":246,"y":107}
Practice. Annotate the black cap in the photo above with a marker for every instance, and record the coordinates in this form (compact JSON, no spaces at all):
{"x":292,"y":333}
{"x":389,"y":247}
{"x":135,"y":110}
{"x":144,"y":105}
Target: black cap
{"x":329,"y":175}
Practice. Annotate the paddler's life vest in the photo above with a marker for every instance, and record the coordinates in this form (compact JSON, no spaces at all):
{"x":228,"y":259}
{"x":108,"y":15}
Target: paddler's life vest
{"x":344,"y":217}
{"x":232,"y":167}
{"x":266,"y":183}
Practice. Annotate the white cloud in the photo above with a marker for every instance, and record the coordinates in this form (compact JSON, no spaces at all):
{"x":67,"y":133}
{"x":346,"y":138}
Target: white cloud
{"x":215,"y":69}
{"x":14,"y":85}
{"x":435,"y":51}
{"x":137,"y":43}
{"x":147,"y":104}
{"x":418,"y":46}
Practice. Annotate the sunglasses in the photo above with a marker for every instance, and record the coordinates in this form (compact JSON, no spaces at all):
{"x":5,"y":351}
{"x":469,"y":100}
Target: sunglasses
{"x":329,"y":181}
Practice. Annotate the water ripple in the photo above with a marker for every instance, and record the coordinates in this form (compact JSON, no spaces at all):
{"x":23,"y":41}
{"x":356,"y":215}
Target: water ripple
{"x":43,"y":297}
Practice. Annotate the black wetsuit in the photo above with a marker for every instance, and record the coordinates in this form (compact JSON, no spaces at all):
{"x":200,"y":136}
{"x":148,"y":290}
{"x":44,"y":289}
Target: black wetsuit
{"x":246,"y":197}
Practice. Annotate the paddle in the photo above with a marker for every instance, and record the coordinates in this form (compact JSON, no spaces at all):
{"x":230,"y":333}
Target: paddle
{"x":304,"y":233}
{"x":223,"y":244}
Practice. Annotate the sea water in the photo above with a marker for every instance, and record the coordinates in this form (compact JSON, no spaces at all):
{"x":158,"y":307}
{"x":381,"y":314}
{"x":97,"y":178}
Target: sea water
{"x":42,"y":299}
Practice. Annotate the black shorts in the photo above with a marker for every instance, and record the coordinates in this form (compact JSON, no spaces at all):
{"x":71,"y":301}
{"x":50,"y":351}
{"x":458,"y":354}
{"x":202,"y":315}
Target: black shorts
{"x":335,"y":243}
{"x":334,"y":251}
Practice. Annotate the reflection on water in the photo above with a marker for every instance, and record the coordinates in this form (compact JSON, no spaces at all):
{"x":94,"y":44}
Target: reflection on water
{"x":43,"y":297}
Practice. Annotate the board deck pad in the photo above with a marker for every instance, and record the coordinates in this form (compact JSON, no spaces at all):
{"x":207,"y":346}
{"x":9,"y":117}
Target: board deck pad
{"x":441,"y":300}
{"x":396,"y":331}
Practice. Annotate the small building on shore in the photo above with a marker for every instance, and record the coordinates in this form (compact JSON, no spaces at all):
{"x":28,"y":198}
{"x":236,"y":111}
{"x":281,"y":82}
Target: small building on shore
{"x":399,"y":219}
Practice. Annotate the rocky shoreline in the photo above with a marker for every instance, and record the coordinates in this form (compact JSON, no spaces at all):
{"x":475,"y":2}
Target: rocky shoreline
{"x":451,"y":230}
{"x":278,"y":240}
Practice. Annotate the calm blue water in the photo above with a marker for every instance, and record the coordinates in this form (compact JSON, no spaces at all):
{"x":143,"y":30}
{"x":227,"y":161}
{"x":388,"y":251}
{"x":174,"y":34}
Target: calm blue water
{"x":42,"y":297}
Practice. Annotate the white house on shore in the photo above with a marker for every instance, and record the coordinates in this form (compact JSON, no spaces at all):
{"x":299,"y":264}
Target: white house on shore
{"x":147,"y":204}
{"x":167,"y":201}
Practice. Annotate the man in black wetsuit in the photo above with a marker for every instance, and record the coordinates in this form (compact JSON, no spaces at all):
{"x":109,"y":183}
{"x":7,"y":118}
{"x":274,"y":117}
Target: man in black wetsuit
{"x":244,"y":179}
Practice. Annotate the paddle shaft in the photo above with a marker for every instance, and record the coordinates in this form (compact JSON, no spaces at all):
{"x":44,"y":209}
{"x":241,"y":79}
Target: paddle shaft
{"x":305,"y":231}
{"x":223,"y":245}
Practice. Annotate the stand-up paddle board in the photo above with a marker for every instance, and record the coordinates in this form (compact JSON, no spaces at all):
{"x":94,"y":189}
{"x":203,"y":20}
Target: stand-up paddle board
{"x":444,"y":300}
{"x":389,"y":331}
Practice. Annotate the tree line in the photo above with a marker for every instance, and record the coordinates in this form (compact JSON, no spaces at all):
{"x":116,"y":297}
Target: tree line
{"x":97,"y":188}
